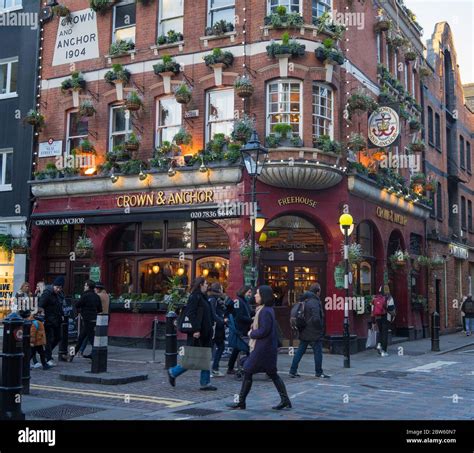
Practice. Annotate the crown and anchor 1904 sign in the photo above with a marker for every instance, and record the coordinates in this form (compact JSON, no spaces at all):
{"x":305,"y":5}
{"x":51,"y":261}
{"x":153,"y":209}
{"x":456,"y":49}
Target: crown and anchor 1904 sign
{"x":384,"y":127}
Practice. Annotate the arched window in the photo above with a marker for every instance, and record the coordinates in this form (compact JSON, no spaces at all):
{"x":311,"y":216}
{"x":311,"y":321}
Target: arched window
{"x":364,"y":272}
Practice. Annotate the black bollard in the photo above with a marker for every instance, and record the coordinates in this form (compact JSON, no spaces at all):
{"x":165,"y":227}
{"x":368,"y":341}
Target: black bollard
{"x":435,"y":331}
{"x":99,"y":349}
{"x":12,"y":363}
{"x":26,"y":377}
{"x":171,"y":342}
{"x":64,"y":343}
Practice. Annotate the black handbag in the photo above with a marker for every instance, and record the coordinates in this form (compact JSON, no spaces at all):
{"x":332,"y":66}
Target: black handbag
{"x":184,"y":323}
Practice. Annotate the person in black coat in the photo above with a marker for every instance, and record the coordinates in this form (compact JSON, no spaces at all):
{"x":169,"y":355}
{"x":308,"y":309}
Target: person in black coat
{"x":89,"y":306}
{"x":264,"y":350}
{"x":313,"y":331}
{"x":242,"y":312}
{"x":217,"y":301}
{"x":199,"y":312}
{"x":51,"y":303}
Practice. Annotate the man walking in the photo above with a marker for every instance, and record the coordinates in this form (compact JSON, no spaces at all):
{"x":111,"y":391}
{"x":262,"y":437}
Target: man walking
{"x":51,"y":302}
{"x":308,"y":318}
{"x":468,"y":309}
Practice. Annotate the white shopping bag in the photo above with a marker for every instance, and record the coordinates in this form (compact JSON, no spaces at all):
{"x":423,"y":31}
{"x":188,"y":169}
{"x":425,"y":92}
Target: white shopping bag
{"x":371,"y":339}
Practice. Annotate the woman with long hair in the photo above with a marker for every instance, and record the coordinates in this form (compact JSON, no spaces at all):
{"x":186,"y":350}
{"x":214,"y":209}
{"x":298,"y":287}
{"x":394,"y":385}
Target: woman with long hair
{"x":263,"y":350}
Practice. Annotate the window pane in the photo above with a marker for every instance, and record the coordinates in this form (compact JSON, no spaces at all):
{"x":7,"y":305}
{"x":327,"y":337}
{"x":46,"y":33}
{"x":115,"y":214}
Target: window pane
{"x":13,"y":77}
{"x":78,"y":126}
{"x":8,"y":169}
{"x":154,"y":276}
{"x":221,"y":105}
{"x":119,"y":121}
{"x":210,"y":236}
{"x":125,"y":34}
{"x":171,"y":8}
{"x":122,"y":277}
{"x":125,"y":15}
{"x":152,"y":235}
{"x":221,"y":3}
{"x":179,"y":235}
{"x":214,"y":270}
{"x":126,"y":242}
{"x":118,"y":140}
{"x":173,"y":24}
{"x":227,"y":14}
{"x":3,"y":78}
{"x":170,"y":112}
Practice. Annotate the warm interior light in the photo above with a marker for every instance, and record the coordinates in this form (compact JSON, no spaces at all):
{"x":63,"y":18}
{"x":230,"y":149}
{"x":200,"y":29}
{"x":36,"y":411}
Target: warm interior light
{"x":217,"y":265}
{"x":150,"y":271}
{"x":259,"y":224}
{"x":180,"y":271}
{"x":156,"y":268}
{"x":90,"y":171}
{"x":226,"y":273}
{"x":205,"y":272}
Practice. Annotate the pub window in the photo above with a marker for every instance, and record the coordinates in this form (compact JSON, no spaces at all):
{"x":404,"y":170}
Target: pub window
{"x":124,"y":21}
{"x":322,"y":111}
{"x":8,"y":76}
{"x":438,"y":132}
{"x":122,"y":277}
{"x":430,"y":127}
{"x":155,"y":274}
{"x":179,"y":235}
{"x":320,"y":7}
{"x":433,"y":205}
{"x":416,"y":244}
{"x":171,"y":16}
{"x":469,"y":216}
{"x":439,"y":202}
{"x":152,"y":235}
{"x":463,"y":213}
{"x":169,"y":118}
{"x":6,"y":164}
{"x":365,"y":271}
{"x":292,"y":6}
{"x":220,"y":113}
{"x":77,"y":130}
{"x":120,"y":126}
{"x":221,"y":10}
{"x":468,"y":156}
{"x":462,"y":157}
{"x":126,"y":240}
{"x":210,"y":236}
{"x":284,"y":105}
{"x":214,"y":269}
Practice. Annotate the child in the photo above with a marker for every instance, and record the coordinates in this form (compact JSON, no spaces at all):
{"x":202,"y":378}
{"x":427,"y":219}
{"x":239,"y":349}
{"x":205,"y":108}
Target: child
{"x":37,"y":341}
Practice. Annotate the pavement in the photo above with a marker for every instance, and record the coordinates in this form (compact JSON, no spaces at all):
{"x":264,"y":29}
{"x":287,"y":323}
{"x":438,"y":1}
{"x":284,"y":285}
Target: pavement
{"x":411,"y":383}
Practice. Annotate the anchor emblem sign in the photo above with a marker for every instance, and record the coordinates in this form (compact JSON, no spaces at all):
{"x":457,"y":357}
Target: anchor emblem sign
{"x":384,"y":127}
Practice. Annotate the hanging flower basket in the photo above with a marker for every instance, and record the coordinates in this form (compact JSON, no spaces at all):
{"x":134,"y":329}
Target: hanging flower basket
{"x":19,"y":246}
{"x":83,"y":253}
{"x":383,"y":23}
{"x":244,"y":91}
{"x":183,"y":94}
{"x":133,"y":102}
{"x":399,"y":259}
{"x":132,"y":143}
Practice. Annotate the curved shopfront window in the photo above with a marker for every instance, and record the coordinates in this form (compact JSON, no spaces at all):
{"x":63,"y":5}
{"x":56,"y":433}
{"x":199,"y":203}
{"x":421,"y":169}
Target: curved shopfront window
{"x":213,"y":269}
{"x":155,"y":275}
{"x":364,"y":272}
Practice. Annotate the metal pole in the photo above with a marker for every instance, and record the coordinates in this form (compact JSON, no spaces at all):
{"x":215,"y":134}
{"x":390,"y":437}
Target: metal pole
{"x":254,"y":202}
{"x":346,"y":336}
{"x":63,"y":344}
{"x":435,"y":326}
{"x":99,"y":349}
{"x":26,"y":357}
{"x":171,"y":343}
{"x":155,"y":323}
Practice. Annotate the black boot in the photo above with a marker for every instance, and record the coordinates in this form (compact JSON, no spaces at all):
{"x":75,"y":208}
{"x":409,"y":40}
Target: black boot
{"x":244,"y":391}
{"x":280,"y":386}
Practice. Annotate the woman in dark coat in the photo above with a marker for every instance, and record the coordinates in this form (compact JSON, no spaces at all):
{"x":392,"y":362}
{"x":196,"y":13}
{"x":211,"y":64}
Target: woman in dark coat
{"x":264,"y":350}
{"x":199,"y":311}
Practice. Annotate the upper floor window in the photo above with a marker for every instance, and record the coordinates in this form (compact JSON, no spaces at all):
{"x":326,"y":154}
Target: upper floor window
{"x":430,"y":127}
{"x":10,"y":4}
{"x":6,"y":164}
{"x":320,"y":7}
{"x":395,"y":64}
{"x":387,"y":56}
{"x":438,"y":132}
{"x":169,"y":117}
{"x":284,"y":105}
{"x":379,"y":48}
{"x":292,"y":6}
{"x":463,"y":214}
{"x":220,"y":113}
{"x":413,"y":86}
{"x":8,"y":76}
{"x":221,"y":10}
{"x":77,"y":130}
{"x":171,"y":16}
{"x":120,"y":126}
{"x":407,"y":71}
{"x":124,"y":21}
{"x":468,"y":156}
{"x":439,"y":202}
{"x":322,"y":110}
{"x":462,"y":157}
{"x":469,"y":216}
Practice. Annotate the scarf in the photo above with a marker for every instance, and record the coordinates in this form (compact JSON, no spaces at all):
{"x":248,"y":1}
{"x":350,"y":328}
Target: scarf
{"x":253,"y":341}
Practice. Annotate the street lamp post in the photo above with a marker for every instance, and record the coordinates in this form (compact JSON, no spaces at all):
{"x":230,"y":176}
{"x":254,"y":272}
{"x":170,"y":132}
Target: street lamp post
{"x":254,"y":155}
{"x":347,"y":226}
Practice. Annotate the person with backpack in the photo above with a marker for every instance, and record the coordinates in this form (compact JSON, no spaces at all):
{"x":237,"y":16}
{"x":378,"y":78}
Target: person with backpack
{"x":382,"y":317}
{"x":198,"y":320}
{"x":467,"y":308}
{"x":307,"y":318}
{"x":217,"y":301}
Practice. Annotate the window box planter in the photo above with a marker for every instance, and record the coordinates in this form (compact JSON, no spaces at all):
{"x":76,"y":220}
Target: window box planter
{"x":419,"y":178}
{"x":220,"y":28}
{"x":282,"y":19}
{"x":19,"y":246}
{"x":118,"y":76}
{"x":171,"y":38}
{"x":121,"y":48}
{"x":86,"y":146}
{"x":167,"y":69}
{"x":218,"y":60}
{"x":284,"y":50}
{"x":417,"y":147}
{"x":183,"y":137}
{"x":383,"y":22}
{"x":132,"y":143}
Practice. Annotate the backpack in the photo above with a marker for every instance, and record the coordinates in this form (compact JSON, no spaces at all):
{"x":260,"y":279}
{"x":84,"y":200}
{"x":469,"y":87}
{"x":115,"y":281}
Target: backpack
{"x":300,"y":320}
{"x":380,"y":305}
{"x":468,"y":307}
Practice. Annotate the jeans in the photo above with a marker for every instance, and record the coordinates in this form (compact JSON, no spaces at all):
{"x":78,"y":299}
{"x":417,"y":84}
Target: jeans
{"x":40,"y":351}
{"x":469,"y":325}
{"x":205,"y":374}
{"x":318,"y":355}
{"x":218,"y":351}
{"x":53,"y":337}
{"x":87,"y":333}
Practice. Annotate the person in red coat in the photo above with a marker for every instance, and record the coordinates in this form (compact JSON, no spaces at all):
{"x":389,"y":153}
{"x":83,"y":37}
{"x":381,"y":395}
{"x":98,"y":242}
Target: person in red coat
{"x":263,"y":350}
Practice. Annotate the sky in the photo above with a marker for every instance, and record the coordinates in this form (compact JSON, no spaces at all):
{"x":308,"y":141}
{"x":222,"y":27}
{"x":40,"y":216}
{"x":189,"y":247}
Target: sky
{"x":460,"y":16}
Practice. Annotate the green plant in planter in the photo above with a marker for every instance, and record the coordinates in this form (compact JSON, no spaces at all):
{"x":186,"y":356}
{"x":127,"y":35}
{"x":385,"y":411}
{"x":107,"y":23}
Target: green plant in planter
{"x":243,"y":128}
{"x":6,"y":244}
{"x":417,"y":146}
{"x":51,"y":171}
{"x":328,"y":53}
{"x":356,"y":142}
{"x":76,"y":82}
{"x":399,"y":258}
{"x":325,"y":144}
{"x":168,"y":149}
{"x":134,"y":101}
{"x":183,"y":94}
{"x":220,"y":28}
{"x":117,"y":74}
{"x":424,"y":72}
{"x":19,"y":245}
{"x":84,"y":243}
{"x":121,"y":47}
{"x":168,"y":64}
{"x":325,"y":24}
{"x":133,"y":167}
{"x":358,"y":168}
{"x":177,"y":296}
{"x":296,"y":141}
{"x":218,"y":56}
{"x":87,"y":108}
{"x":101,"y":6}
{"x":233,"y":152}
{"x":61,"y":11}
{"x":282,"y":129}
{"x":280,"y":10}
{"x":286,"y":47}
{"x":34,"y":118}
{"x":70,"y":171}
{"x":272,"y":141}
{"x":360,"y":101}
{"x":422,"y":261}
{"x":404,"y":114}
{"x":170,"y":38}
{"x":118,"y":154}
{"x":395,"y":40}
{"x":386,"y":98}
{"x":415,"y":125}
{"x":410,"y":54}
{"x":132,"y":142}
{"x":183,"y":137}
{"x":243,"y":87}
{"x":86,"y":146}
{"x":418,"y":178}
{"x":355,"y":253}
{"x":245,"y":247}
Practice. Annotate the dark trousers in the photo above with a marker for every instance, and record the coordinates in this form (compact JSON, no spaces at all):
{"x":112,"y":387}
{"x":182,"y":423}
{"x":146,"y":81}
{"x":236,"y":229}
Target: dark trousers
{"x":53,"y":337}
{"x":318,"y":355}
{"x":218,"y":348}
{"x":383,"y":326}
{"x":87,"y":332}
{"x":40,"y":351}
{"x":233,"y":358}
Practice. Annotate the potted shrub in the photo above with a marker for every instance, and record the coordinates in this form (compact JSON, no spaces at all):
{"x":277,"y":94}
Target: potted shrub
{"x":272,"y":141}
{"x":167,"y":69}
{"x":326,"y":145}
{"x":243,"y":128}
{"x":118,"y":76}
{"x":422,"y":261}
{"x":395,"y":40}
{"x":121,"y":47}
{"x":118,"y":154}
{"x":410,"y":54}
{"x":183,"y":137}
{"x":281,"y":130}
{"x":74,"y":84}
{"x":296,"y":141}
{"x":355,"y":253}
{"x":220,"y":28}
{"x":399,"y":259}
{"x":183,"y":94}
{"x":431,"y":183}
{"x":418,"y":178}
{"x":84,"y":247}
{"x":284,"y":50}
{"x":61,"y":11}
{"x":328,"y":53}
{"x":134,"y":101}
{"x":101,"y":6}
{"x":243,"y":87}
{"x":132,"y":143}
{"x":386,"y":98}
{"x":424,"y":72}
{"x":356,"y":142}
{"x":415,"y":125}
{"x":383,"y":23}
{"x":419,"y":303}
{"x":87,"y":108}
{"x":360,"y":101}
{"x":86,"y":146}
{"x":35,"y":118}
{"x":218,"y":60}
{"x":6,"y":244}
{"x":417,"y":146}
{"x":170,"y":38}
{"x":19,"y":246}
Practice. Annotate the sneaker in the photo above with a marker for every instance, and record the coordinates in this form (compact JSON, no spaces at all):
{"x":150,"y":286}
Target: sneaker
{"x":47,"y":367}
{"x":37,"y":365}
{"x":217,"y":373}
{"x":379,"y":348}
{"x":322,"y":376}
{"x":208,"y":387}
{"x":171,"y":379}
{"x":294,"y":375}
{"x":51,"y":362}
{"x":384,"y":354}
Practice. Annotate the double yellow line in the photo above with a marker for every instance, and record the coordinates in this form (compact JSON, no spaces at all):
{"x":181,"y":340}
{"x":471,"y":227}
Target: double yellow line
{"x":125,"y":397}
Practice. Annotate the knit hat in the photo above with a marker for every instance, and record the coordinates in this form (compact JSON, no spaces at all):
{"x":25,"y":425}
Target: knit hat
{"x":58,"y":281}
{"x":99,"y":285}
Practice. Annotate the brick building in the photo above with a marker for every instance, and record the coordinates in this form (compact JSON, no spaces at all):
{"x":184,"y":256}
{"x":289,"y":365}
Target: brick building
{"x":151,"y":213}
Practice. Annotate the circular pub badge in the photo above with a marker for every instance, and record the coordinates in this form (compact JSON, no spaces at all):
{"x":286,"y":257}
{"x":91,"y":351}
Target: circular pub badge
{"x":384,"y":126}
{"x":18,"y":334}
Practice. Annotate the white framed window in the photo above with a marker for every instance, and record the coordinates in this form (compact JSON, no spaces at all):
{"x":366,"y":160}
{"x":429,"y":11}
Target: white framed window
{"x":395,"y":64}
{"x":292,"y":6}
{"x":120,"y":126}
{"x":169,"y":119}
{"x":220,"y":10}
{"x":220,"y":113}
{"x":285,"y":105}
{"x":9,"y":5}
{"x":387,"y":56}
{"x":8,"y":77}
{"x":77,"y":130}
{"x":124,"y":22}
{"x":319,"y":7}
{"x":6,"y":167}
{"x":413,"y":86}
{"x":171,"y":16}
{"x":379,"y":48}
{"x":407,"y":70}
{"x":322,"y":110}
